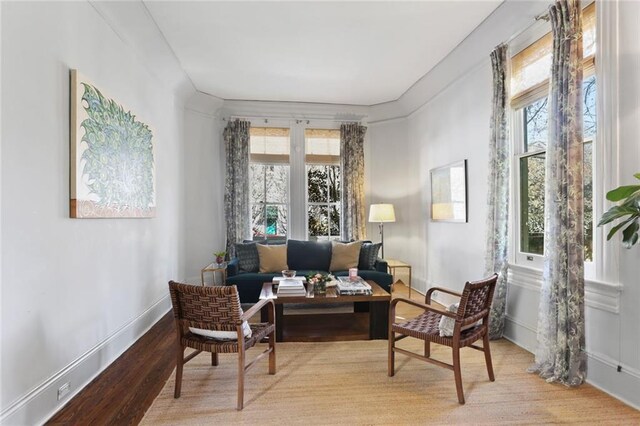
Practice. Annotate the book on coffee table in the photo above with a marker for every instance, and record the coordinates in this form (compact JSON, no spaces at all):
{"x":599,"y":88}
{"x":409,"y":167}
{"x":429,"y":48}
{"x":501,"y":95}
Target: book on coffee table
{"x":279,"y":279}
{"x":353,"y":286}
{"x":291,"y":287}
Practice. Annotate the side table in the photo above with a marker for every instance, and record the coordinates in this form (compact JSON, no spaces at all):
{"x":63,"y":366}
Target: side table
{"x":393,"y":265}
{"x":213,"y":268}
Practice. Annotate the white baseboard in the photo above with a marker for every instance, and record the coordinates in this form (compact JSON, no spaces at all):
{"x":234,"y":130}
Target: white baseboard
{"x":601,"y":370}
{"x":41,"y":403}
{"x":623,"y":385}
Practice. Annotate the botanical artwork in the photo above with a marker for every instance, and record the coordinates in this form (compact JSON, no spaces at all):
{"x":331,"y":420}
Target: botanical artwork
{"x":112,"y":157}
{"x":449,"y":193}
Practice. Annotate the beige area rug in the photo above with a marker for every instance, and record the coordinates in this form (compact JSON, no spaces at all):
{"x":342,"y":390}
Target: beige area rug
{"x":346,"y":383}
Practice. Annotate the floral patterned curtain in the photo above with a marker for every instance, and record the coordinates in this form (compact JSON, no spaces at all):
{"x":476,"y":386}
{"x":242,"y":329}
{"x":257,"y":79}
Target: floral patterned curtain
{"x":498,"y":199}
{"x":236,"y":195}
{"x":560,"y":355}
{"x":353,"y":225}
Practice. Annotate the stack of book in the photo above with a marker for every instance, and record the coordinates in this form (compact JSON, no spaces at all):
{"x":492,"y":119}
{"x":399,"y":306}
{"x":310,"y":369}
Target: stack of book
{"x":291,"y":288}
{"x":353,"y":286}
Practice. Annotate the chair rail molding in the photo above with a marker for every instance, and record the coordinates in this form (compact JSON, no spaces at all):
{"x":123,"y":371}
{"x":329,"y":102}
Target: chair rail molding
{"x":598,"y":294}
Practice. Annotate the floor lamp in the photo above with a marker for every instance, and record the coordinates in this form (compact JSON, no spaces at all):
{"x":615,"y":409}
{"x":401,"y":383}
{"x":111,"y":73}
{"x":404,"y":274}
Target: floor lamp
{"x":382,"y":213}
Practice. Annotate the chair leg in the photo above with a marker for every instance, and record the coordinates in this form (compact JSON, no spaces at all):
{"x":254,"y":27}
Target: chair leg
{"x":457,"y":374}
{"x":487,"y":357}
{"x":240,"y":378}
{"x":392,"y":354}
{"x":214,"y":358}
{"x":179,"y":365}
{"x":272,"y":353}
{"x":427,"y":349}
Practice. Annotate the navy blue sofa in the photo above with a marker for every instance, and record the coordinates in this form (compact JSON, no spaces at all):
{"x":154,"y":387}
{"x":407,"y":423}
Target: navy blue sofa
{"x":305,"y":257}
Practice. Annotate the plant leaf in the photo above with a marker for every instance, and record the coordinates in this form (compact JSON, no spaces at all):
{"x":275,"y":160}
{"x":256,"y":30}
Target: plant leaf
{"x":637,"y":176}
{"x":616,"y":212}
{"x":622,"y":192}
{"x":617,"y":227}
{"x":630,"y":234}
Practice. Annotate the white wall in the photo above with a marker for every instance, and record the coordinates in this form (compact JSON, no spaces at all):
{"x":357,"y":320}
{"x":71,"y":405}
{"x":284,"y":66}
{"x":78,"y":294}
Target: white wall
{"x":204,"y":194}
{"x":75,"y":293}
{"x":392,"y":178}
{"x":454,"y":126}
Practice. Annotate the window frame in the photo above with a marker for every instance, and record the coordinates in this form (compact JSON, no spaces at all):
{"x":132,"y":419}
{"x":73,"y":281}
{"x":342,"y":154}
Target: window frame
{"x":328,"y":203}
{"x":267,"y":161}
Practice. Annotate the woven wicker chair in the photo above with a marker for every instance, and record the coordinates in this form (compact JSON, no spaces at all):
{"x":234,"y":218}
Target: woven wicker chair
{"x":218,"y":308}
{"x":474,"y":306}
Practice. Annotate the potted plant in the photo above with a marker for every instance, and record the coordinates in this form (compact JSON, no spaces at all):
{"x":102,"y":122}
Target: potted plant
{"x":220,"y":257}
{"x":628,"y":210}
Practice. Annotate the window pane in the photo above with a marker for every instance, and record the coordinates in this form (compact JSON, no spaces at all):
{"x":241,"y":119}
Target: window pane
{"x":318,"y":221}
{"x":588,"y":202}
{"x":532,"y":204}
{"x":536,"y":119}
{"x":589,"y":113}
{"x":334,"y":219}
{"x":257,"y":221}
{"x":317,"y":184}
{"x":277,"y":177}
{"x":334,"y":184}
{"x":256,"y":182}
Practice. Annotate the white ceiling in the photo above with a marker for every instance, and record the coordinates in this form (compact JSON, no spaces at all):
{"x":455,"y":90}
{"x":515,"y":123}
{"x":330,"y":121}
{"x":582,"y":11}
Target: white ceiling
{"x":358,"y":53}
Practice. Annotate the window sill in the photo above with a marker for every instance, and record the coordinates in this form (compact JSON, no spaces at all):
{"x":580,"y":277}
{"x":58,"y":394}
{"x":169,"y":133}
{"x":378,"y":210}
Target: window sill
{"x":598,"y":294}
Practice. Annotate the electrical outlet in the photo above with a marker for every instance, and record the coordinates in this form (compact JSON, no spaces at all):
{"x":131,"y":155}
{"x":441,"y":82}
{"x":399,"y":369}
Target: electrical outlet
{"x":63,"y":390}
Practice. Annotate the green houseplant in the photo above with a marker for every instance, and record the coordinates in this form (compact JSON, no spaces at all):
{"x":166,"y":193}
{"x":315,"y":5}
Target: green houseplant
{"x":628,"y":210}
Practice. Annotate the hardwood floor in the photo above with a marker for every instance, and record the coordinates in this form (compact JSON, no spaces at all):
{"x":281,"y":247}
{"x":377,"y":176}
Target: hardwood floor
{"x":125,"y":390}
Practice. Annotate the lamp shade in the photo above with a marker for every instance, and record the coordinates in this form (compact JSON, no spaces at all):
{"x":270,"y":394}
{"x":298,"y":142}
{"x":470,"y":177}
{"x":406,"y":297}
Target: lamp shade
{"x":382,"y":213}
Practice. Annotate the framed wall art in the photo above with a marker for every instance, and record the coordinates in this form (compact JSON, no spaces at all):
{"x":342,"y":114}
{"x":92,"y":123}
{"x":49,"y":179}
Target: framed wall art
{"x":112,"y":163}
{"x":449,"y":193}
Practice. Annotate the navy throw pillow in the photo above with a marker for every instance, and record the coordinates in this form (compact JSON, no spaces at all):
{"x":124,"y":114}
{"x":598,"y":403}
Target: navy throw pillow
{"x":309,"y":255}
{"x":368,"y":255}
{"x":248,"y":259}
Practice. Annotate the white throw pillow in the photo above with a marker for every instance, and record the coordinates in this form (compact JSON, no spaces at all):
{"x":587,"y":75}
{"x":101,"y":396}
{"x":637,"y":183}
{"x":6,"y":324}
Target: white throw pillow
{"x":225,"y":335}
{"x":447,"y":324}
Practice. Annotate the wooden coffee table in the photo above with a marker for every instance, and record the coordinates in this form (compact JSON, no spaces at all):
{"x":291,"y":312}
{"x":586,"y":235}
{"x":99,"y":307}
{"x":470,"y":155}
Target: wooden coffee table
{"x":370,"y":319}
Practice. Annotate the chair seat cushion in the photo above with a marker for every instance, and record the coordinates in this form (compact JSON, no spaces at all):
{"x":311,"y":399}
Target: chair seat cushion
{"x":222,"y":335}
{"x":258,"y":332}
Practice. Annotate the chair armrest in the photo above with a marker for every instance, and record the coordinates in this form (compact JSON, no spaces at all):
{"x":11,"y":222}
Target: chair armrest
{"x":256,"y":308}
{"x":427,"y":297}
{"x":424,"y":306}
{"x":232,"y":267}
{"x":380,"y":265}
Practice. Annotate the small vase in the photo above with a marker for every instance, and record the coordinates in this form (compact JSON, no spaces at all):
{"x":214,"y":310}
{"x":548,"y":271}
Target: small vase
{"x":320,"y":288}
{"x":219,"y":260}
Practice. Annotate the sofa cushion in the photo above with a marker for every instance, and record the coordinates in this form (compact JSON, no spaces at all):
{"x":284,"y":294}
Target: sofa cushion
{"x":344,"y":256}
{"x":368,"y":255}
{"x":272,"y":258}
{"x":248,"y":259}
{"x":309,"y":255}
